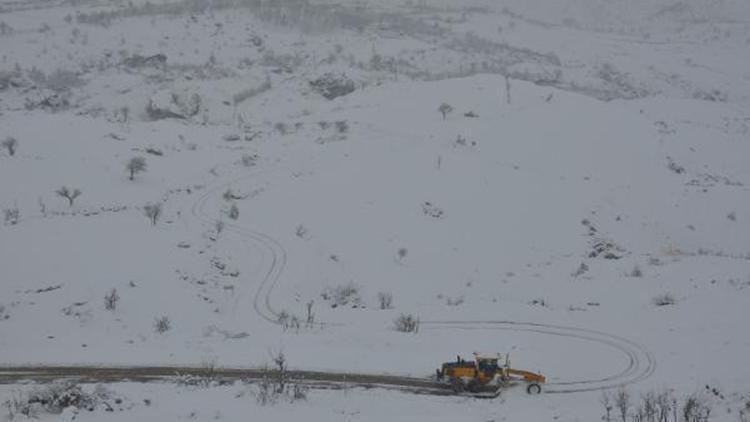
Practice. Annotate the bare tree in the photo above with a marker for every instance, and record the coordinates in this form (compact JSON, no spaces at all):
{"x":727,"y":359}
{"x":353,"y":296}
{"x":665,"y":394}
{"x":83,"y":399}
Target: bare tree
{"x":663,"y":406}
{"x":648,"y":407}
{"x":695,"y":409}
{"x":606,"y":401}
{"x":135,"y":165}
{"x":153,"y":212}
{"x":622,"y":402}
{"x":444,"y":109}
{"x":68,"y":194}
{"x":280,"y":361}
{"x":10,"y":143}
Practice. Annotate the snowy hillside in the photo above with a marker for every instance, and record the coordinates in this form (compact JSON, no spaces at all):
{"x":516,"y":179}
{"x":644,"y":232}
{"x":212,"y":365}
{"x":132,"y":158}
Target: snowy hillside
{"x":565,"y":182}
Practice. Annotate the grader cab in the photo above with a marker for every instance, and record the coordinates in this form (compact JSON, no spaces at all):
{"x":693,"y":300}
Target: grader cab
{"x":485,"y":374}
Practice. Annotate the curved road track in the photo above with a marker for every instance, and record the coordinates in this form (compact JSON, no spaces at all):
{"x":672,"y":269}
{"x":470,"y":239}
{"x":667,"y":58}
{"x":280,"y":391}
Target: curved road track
{"x":639,"y":364}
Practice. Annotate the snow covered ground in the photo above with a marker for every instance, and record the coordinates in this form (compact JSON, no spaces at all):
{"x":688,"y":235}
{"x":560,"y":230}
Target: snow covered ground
{"x":593,"y":162}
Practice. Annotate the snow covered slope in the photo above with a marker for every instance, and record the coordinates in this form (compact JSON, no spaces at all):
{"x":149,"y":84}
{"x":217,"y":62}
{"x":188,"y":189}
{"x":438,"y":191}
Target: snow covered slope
{"x":590,"y":173}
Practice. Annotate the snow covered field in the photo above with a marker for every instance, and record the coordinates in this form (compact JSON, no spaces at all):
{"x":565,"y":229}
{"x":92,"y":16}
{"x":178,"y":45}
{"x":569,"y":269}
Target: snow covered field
{"x":581,"y":201}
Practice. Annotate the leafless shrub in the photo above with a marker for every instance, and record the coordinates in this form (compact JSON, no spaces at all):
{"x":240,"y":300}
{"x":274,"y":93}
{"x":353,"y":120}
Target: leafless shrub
{"x":111,"y":300}
{"x":301,"y":231}
{"x":674,"y":167}
{"x":10,"y":143}
{"x":636,"y":272}
{"x":711,"y":95}
{"x":539,"y":302}
{"x":401,"y":254}
{"x":664,"y":299}
{"x":234,"y":212}
{"x":58,"y":81}
{"x":12,"y":215}
{"x":385,"y":300}
{"x":204,"y":378}
{"x":343,"y":295}
{"x":219,"y":226}
{"x":695,"y":409}
{"x":648,"y":409}
{"x":582,"y":269}
{"x":732,"y":216}
{"x":331,"y":86}
{"x":745,"y":413}
{"x":264,"y":392}
{"x":135,"y":165}
{"x":406,"y":323}
{"x":431,"y":210}
{"x":664,"y":405}
{"x":281,"y":127}
{"x":57,"y":396}
{"x":620,"y":82}
{"x":310,"y":318}
{"x":68,"y":194}
{"x":229,"y":195}
{"x":606,"y":400}
{"x":152,"y":211}
{"x":622,"y":403}
{"x":18,"y":405}
{"x":444,"y":109}
{"x":342,"y":126}
{"x":249,"y":160}
{"x":162,"y":324}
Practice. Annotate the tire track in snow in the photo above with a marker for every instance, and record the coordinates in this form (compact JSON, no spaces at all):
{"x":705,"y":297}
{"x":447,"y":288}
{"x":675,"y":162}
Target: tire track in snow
{"x":640,"y":362}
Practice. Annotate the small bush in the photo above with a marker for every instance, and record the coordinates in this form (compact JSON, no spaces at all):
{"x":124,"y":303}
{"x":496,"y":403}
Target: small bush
{"x":636,"y":272}
{"x":11,"y":215}
{"x":664,"y":299}
{"x":332,"y":86}
{"x":234,"y":212}
{"x":162,"y":324}
{"x":249,"y":160}
{"x":152,"y":211}
{"x":385,"y":300}
{"x":111,"y":299}
{"x":10,"y":143}
{"x":582,"y":269}
{"x":406,"y":323}
{"x":56,"y":397}
{"x":17,"y":404}
{"x":341,"y":126}
{"x":343,"y":295}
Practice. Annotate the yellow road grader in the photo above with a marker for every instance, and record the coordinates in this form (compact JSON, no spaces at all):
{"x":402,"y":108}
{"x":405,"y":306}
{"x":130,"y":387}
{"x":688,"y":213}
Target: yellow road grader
{"x":485,"y":376}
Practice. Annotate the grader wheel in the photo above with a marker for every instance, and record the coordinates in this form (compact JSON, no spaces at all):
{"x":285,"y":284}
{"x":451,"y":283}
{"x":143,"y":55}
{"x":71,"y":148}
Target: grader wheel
{"x":534,"y":388}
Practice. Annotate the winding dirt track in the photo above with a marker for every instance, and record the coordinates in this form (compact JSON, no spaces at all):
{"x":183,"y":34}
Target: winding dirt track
{"x":639,"y":364}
